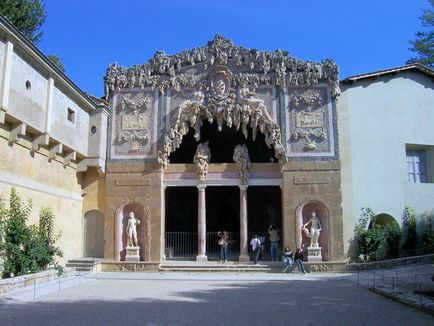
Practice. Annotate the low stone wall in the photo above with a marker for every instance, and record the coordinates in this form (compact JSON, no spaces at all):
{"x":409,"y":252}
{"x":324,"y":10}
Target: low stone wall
{"x":324,"y":267}
{"x":425,"y":259}
{"x":124,"y":266}
{"x":10,"y":284}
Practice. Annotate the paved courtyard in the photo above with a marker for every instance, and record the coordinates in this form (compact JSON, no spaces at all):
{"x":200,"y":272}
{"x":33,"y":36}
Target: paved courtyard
{"x":209,"y":298}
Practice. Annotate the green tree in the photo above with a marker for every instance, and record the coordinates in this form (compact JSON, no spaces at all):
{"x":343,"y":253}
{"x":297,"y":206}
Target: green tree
{"x":27,"y":249}
{"x":423,"y":44}
{"x":409,"y":224}
{"x":428,"y":234}
{"x":54,"y":58}
{"x":17,"y":237}
{"x":26,"y":15}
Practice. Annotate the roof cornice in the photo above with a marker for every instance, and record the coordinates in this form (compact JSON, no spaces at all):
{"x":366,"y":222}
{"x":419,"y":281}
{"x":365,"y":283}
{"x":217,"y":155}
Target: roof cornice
{"x":392,"y":71}
{"x":24,"y":44}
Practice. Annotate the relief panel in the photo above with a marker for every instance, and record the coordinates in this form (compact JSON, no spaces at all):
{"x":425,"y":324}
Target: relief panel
{"x":134,"y":125}
{"x":309,"y":122}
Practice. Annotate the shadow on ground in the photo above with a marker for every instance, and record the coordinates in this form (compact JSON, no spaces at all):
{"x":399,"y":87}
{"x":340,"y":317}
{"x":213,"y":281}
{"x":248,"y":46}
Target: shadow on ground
{"x":202,"y":302}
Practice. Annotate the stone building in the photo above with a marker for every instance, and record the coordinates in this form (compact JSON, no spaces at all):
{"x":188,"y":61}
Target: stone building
{"x":52,"y":137}
{"x":219,"y":137}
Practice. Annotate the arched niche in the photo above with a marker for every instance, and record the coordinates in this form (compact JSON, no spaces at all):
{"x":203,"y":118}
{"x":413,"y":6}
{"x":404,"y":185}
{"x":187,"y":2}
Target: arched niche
{"x":303,"y":214}
{"x":142,"y":214}
{"x":383,"y":219}
{"x":93,"y":227}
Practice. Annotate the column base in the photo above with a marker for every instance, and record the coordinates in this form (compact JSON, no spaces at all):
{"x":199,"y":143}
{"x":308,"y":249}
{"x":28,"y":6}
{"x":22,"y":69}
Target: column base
{"x":244,"y":259}
{"x":201,"y":258}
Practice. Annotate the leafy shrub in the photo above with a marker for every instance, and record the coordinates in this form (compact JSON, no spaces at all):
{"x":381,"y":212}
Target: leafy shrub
{"x":376,"y":241}
{"x":26,"y":249}
{"x":392,"y":234}
{"x":428,"y":234}
{"x":409,"y":225}
{"x":368,"y":239}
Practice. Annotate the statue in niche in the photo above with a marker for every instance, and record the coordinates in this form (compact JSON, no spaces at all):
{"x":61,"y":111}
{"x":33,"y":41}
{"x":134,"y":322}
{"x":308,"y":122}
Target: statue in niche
{"x":241,"y":156}
{"x":132,"y":230}
{"x":247,"y":98}
{"x":201,"y":160}
{"x":315,"y":229}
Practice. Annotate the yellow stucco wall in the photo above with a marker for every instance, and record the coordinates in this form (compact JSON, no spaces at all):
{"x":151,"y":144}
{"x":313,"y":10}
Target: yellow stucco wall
{"x":48,"y":184}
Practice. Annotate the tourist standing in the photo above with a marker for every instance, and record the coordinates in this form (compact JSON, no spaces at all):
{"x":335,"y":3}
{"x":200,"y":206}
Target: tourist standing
{"x":287,"y":260}
{"x":273,"y":231}
{"x":298,"y":258}
{"x":223,"y":243}
{"x":256,"y":248}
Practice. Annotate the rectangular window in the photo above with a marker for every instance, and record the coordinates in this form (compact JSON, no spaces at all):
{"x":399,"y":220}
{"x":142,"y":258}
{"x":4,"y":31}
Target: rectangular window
{"x":71,"y":115}
{"x":417,"y":165}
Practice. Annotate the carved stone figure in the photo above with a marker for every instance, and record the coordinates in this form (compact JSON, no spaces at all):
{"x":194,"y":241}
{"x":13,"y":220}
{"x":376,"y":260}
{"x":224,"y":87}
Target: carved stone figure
{"x":315,"y":229}
{"x":132,"y":230}
{"x":201,"y":160}
{"x":284,"y":69}
{"x":241,"y":156}
{"x":247,"y":98}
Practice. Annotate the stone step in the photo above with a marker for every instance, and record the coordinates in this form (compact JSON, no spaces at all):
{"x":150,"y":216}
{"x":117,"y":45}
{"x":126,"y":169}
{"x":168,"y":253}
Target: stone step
{"x":82,"y":264}
{"x":78,"y":265}
{"x":204,"y":269}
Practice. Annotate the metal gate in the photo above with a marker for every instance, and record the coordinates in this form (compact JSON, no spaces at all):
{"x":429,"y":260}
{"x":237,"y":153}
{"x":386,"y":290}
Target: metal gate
{"x":183,"y":245}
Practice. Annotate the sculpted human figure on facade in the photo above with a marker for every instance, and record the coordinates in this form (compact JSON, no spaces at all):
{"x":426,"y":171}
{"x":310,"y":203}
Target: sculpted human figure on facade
{"x":201,"y":160}
{"x":132,"y":230}
{"x":241,"y":156}
{"x":247,"y":98}
{"x":315,"y":229}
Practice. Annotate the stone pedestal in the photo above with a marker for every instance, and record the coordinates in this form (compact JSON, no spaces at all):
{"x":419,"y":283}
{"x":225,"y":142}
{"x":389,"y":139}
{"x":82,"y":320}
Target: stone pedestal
{"x":314,"y":254}
{"x":132,"y":254}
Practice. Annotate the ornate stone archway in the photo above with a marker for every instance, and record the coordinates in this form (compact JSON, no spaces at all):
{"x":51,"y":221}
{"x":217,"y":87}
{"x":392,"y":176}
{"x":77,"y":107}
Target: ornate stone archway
{"x":224,"y":106}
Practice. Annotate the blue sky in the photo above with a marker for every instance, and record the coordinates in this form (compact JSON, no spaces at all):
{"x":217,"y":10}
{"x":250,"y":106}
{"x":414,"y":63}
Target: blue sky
{"x":361,"y":36}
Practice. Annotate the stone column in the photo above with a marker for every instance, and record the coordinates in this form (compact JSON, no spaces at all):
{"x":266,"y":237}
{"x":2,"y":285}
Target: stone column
{"x":201,"y":224}
{"x":244,"y":253}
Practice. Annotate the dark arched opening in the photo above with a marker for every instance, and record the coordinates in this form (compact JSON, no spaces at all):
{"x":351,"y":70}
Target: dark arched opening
{"x":222,"y":144}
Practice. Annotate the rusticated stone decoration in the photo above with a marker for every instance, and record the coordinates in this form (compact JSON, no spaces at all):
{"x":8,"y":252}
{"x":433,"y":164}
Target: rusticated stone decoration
{"x":201,"y":160}
{"x":241,"y":156}
{"x":227,"y":85}
{"x":310,"y":122}
{"x":276,"y":67}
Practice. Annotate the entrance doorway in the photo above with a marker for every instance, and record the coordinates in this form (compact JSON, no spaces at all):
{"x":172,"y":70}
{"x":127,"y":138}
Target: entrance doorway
{"x":93,"y":234}
{"x":264,"y":208}
{"x":222,"y":214}
{"x":181,"y":222}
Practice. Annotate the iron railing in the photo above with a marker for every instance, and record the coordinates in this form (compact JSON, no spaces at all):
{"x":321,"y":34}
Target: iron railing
{"x":183,"y":245}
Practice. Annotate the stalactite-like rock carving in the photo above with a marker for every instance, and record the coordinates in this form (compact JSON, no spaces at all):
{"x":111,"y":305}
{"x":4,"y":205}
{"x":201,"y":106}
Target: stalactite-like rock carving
{"x":241,"y":156}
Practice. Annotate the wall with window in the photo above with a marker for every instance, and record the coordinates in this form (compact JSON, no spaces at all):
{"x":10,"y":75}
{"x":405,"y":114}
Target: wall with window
{"x":384,"y":124}
{"x":69,"y":122}
{"x":28,"y":93}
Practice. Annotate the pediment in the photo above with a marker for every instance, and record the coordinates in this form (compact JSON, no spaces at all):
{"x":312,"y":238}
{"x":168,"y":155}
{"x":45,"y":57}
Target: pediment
{"x":247,"y":66}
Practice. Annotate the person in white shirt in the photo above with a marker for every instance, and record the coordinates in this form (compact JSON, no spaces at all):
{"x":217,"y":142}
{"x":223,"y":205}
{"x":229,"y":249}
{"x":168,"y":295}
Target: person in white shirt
{"x":256,"y":248}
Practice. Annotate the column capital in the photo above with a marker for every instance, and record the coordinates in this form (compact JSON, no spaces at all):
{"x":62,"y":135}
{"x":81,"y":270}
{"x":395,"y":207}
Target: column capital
{"x":201,"y":186}
{"x":243,"y":187}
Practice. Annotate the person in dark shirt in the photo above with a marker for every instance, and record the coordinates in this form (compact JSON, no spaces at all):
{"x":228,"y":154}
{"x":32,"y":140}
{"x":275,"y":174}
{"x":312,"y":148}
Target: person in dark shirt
{"x":298,"y":258}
